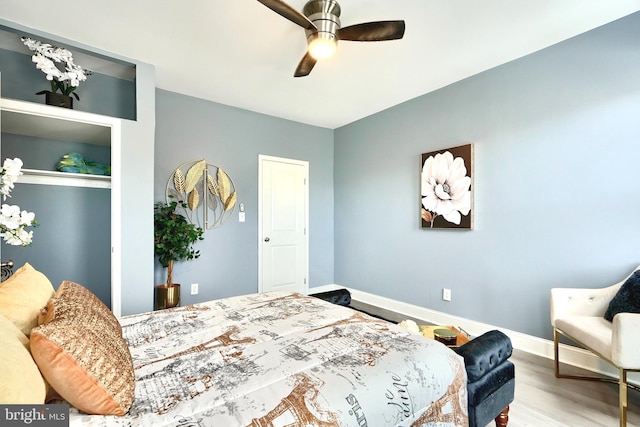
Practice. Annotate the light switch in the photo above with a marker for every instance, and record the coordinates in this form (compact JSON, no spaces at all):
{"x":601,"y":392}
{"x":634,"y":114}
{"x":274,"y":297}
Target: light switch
{"x":241,"y":216}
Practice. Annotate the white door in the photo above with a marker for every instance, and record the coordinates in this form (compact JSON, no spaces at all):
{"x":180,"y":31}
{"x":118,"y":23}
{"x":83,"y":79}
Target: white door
{"x":283,"y":260}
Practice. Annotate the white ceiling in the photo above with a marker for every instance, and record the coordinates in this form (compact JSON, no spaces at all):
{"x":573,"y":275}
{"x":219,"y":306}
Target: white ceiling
{"x":240,"y":53}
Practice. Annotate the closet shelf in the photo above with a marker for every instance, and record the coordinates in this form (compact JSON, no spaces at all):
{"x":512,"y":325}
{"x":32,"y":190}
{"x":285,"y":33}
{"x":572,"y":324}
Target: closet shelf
{"x":45,"y":121}
{"x":67,"y":179}
{"x":55,"y":123}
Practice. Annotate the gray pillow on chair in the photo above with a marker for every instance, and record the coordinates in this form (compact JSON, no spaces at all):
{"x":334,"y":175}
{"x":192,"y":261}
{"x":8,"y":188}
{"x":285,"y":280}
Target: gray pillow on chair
{"x":627,"y":300}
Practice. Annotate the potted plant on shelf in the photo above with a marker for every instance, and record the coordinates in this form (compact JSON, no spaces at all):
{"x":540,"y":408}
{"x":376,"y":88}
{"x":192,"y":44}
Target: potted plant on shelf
{"x":174,"y":237}
{"x":66,"y":81}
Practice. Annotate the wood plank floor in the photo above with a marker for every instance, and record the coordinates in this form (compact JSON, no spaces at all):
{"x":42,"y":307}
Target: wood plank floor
{"x":542,"y":400}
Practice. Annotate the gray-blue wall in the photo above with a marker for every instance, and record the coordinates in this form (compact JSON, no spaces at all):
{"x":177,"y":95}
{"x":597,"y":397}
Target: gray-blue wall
{"x":73,"y":238}
{"x":557,"y":184}
{"x":189,"y":129}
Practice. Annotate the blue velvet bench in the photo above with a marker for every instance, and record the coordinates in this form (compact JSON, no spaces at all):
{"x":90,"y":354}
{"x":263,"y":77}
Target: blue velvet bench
{"x":339,"y":296}
{"x":490,"y":378}
{"x":490,"y":374}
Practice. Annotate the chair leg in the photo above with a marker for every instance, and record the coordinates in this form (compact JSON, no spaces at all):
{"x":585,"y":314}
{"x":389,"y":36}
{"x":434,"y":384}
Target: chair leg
{"x":556,"y":358}
{"x":623,"y":397}
{"x":503,"y":418}
{"x":623,"y":385}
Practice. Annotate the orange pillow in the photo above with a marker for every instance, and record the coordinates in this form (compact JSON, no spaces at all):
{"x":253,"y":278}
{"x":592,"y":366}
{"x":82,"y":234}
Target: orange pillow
{"x":23,"y":295}
{"x":82,"y":355}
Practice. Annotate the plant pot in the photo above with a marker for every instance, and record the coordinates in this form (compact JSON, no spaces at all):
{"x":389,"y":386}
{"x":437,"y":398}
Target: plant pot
{"x":167,"y":296}
{"x":58,"y":99}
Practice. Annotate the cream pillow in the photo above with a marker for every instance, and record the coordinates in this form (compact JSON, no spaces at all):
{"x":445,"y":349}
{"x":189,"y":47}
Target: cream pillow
{"x":81,"y":353}
{"x":23,"y":295}
{"x":20,"y":379}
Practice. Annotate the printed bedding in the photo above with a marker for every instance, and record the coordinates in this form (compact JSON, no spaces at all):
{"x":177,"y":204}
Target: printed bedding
{"x":284,"y":359}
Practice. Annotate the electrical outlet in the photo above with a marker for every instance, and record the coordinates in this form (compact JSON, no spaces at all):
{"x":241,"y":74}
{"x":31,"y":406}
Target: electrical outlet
{"x":194,"y":289}
{"x":446,"y":294}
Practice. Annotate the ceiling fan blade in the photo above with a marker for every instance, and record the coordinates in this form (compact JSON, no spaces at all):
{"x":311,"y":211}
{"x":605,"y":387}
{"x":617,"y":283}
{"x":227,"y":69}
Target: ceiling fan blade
{"x":305,"y":66}
{"x":373,"y":31}
{"x":289,"y":12}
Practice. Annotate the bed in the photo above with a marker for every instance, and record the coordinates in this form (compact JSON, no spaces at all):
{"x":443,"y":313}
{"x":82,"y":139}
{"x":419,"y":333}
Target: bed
{"x":265,"y":359}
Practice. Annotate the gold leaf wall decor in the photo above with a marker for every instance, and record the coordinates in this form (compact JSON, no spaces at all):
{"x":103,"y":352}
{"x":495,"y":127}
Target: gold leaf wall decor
{"x":194,"y":199}
{"x":230,"y":202}
{"x":207,"y":191}
{"x":212,"y":185}
{"x":178,"y":181}
{"x":194,"y":175}
{"x":224,"y":184}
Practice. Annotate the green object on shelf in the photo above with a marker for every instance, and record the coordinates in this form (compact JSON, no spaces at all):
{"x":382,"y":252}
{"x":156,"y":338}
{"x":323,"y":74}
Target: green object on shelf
{"x":76,"y":163}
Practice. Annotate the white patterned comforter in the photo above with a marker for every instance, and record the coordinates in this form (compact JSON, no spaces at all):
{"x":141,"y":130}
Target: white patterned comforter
{"x":284,"y":359}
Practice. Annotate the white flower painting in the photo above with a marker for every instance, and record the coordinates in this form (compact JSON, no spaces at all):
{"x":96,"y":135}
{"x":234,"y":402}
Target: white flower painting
{"x":446,"y":188}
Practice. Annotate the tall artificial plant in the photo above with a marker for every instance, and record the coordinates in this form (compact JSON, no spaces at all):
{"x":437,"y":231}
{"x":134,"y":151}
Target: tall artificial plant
{"x":174,"y":236}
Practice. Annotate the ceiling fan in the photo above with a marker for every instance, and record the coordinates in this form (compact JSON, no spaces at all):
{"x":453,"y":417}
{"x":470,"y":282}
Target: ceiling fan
{"x":321,"y":23}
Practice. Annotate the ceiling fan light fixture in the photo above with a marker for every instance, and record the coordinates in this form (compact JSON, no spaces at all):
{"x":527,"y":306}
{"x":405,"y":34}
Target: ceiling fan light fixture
{"x":321,"y":22}
{"x":322,"y":48}
{"x":323,"y":41}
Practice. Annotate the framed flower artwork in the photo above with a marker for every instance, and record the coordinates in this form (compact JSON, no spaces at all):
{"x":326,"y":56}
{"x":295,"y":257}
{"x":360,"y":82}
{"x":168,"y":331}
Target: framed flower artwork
{"x":446,"y":187}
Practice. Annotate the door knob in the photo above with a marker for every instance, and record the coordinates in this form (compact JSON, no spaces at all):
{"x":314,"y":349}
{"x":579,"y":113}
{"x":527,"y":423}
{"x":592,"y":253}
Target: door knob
{"x":266,"y":239}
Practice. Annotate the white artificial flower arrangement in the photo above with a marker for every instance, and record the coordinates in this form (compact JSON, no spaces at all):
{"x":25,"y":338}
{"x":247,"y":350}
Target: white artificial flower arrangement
{"x":46,"y":56}
{"x":13,"y":221}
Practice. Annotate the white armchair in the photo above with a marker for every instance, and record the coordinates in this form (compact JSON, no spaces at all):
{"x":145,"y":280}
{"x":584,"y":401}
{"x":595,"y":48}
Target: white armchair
{"x":578,"y":314}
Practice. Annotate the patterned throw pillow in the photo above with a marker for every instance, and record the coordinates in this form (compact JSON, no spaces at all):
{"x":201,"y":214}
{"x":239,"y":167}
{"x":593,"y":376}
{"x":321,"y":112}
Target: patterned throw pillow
{"x":627,"y":300}
{"x":71,"y":298}
{"x":81,"y":353}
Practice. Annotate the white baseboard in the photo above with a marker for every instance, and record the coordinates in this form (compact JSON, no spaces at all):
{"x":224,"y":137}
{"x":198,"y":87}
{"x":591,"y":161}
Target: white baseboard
{"x":569,"y":355}
{"x":324,"y":288}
